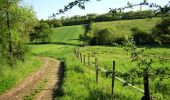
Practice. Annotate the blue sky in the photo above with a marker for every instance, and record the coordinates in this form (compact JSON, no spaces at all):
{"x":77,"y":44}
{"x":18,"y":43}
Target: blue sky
{"x":45,"y":8}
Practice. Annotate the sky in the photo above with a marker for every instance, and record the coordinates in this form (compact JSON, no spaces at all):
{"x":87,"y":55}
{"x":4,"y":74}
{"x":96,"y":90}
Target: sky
{"x":45,"y":8}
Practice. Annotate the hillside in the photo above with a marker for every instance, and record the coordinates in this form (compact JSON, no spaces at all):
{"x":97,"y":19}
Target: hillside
{"x":67,"y":34}
{"x":123,"y":26}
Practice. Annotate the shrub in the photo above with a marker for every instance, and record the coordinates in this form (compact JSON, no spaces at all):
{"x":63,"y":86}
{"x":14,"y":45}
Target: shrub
{"x":141,"y":37}
{"x":104,"y":36}
{"x":119,"y":40}
{"x":42,"y":33}
{"x":88,"y":35}
{"x":93,"y":41}
{"x":161,"y":32}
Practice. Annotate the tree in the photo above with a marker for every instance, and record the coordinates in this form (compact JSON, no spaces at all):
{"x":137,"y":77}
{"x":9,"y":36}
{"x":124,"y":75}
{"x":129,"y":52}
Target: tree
{"x":144,"y":67}
{"x":42,"y":33}
{"x":16,"y":23}
{"x":104,"y":36}
{"x":161,"y":32}
{"x":141,"y":37}
{"x":54,"y":22}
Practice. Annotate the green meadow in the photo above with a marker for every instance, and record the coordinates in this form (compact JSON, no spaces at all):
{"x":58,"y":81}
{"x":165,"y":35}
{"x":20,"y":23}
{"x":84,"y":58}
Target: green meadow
{"x":79,"y":81}
{"x":70,"y":34}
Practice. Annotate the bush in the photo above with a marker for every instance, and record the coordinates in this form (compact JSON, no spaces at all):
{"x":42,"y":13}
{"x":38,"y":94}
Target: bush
{"x":141,"y":37}
{"x":161,"y":32}
{"x":104,"y":36}
{"x":119,"y":40}
{"x":93,"y":41}
{"x":42,"y":33}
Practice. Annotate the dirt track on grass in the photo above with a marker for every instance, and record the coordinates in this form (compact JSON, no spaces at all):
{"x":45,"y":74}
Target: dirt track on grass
{"x":51,"y":69}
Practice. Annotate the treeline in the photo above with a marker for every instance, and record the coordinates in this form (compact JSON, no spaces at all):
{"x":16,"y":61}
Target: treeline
{"x":77,"y":19}
{"x":160,"y":34}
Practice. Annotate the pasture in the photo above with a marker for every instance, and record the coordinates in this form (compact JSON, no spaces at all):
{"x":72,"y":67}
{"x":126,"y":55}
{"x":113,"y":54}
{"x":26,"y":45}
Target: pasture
{"x":67,"y":34}
{"x":79,"y":79}
{"x":78,"y":83}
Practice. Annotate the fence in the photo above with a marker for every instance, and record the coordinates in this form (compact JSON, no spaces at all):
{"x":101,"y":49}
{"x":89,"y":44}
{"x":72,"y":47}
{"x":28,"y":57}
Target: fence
{"x":87,"y":61}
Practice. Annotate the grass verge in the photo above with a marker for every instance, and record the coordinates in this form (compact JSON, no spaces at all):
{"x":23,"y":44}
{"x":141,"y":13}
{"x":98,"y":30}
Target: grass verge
{"x":11,"y":76}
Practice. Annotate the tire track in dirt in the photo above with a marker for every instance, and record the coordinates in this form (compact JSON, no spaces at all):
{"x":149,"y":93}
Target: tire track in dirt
{"x":50,"y":69}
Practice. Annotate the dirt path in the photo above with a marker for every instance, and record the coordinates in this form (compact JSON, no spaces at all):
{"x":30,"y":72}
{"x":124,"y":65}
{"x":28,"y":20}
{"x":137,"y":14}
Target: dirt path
{"x":50,"y":70}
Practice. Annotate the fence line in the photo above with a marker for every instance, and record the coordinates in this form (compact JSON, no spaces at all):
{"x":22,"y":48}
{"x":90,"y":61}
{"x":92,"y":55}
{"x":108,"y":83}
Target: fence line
{"x":97,"y":67}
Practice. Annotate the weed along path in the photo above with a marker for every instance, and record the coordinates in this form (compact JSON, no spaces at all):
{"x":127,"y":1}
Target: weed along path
{"x":40,"y":85}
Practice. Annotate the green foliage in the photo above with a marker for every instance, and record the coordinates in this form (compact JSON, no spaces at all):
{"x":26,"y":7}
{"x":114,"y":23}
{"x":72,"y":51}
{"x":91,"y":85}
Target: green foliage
{"x":146,"y":65}
{"x":141,"y":37}
{"x":42,"y":34}
{"x":79,"y":20}
{"x":16,"y":23}
{"x":88,"y":35}
{"x":161,"y":32}
{"x":54,"y":22}
{"x":104,"y":36}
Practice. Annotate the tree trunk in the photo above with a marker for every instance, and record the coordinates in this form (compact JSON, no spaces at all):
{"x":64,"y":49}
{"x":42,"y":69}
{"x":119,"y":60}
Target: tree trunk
{"x":146,"y":85}
{"x":9,"y":36}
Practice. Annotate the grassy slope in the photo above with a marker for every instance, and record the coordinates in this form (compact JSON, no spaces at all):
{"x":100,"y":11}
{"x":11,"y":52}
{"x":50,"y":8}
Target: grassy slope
{"x":68,"y":34}
{"x":77,"y":82}
{"x":124,"y":26}
{"x":9,"y":77}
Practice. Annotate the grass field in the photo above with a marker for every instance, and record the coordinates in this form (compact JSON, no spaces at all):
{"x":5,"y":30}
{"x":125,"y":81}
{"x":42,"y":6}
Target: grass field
{"x":106,"y":55}
{"x":123,"y":27}
{"x":79,"y":84}
{"x":70,"y":34}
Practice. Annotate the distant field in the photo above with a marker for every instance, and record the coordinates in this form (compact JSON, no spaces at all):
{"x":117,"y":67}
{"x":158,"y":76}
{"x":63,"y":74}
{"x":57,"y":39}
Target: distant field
{"x":68,"y":34}
{"x":123,"y":27}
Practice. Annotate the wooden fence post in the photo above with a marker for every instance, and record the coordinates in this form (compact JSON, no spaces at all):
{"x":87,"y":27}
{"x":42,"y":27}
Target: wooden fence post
{"x":84,"y":59}
{"x":78,"y":54}
{"x":113,"y":78}
{"x":96,"y":65}
{"x":80,"y":57}
{"x":89,"y":63}
{"x":75,"y":51}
